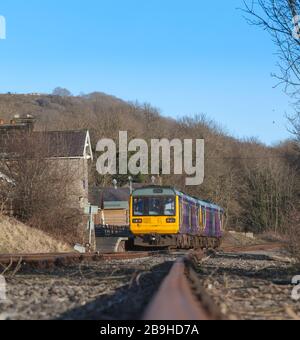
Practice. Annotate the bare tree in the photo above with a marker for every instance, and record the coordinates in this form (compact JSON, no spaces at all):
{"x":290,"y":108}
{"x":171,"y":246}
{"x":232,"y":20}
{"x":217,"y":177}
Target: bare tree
{"x":40,"y":188}
{"x":279,"y":18}
{"x":268,"y":196}
{"x":6,"y":189}
{"x":61,"y":92}
{"x":295,"y":126}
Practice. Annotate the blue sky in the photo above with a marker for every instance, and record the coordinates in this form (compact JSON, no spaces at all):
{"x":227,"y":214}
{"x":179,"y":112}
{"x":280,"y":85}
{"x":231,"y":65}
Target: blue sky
{"x":185,"y":57}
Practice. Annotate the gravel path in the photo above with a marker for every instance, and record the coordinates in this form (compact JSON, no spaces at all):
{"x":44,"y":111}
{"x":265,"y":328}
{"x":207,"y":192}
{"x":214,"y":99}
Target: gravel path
{"x":250,"y":286}
{"x":100,"y":291}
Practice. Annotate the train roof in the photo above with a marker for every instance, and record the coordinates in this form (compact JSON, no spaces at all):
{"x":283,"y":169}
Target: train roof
{"x":148,"y":190}
{"x":198,"y":201}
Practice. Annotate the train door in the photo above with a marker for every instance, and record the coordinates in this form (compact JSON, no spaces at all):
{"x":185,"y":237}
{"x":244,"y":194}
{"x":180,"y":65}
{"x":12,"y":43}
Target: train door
{"x":181,"y":213}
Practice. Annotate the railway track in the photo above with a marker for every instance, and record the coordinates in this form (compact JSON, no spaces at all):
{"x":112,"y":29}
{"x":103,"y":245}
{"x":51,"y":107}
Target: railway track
{"x":174,"y":285}
{"x":179,"y":298}
{"x":181,"y":295}
{"x":64,"y":259}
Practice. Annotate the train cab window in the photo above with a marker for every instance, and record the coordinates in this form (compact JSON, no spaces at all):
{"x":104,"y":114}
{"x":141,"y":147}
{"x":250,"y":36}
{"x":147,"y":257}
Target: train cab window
{"x":138,"y":206}
{"x":154,"y":206}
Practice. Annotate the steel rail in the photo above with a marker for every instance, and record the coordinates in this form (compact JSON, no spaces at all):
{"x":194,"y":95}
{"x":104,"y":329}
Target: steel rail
{"x":181,"y":296}
{"x":61,"y":259}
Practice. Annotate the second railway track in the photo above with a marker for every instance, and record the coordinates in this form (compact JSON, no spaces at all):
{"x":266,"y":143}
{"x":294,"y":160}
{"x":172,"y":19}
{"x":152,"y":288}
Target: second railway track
{"x":62,"y":259}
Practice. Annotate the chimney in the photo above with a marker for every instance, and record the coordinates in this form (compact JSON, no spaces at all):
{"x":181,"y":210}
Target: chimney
{"x":24,"y":120}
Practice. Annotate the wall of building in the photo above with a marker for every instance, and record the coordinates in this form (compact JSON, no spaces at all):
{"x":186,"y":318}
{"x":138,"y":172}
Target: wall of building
{"x":116,"y":217}
{"x":76,"y":172}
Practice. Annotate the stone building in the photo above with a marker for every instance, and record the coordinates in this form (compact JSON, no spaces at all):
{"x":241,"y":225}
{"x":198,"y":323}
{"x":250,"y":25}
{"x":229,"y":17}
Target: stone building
{"x":68,"y":151}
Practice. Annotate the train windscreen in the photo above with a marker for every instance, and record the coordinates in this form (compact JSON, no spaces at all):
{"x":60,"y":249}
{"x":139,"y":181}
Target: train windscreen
{"x":154,"y":206}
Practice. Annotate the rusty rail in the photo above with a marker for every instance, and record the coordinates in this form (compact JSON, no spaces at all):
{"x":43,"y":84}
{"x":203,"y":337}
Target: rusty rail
{"x":181,"y":296}
{"x":61,"y":259}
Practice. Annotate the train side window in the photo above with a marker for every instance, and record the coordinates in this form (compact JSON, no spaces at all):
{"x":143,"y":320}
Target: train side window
{"x":169,"y":207}
{"x":214,"y":222}
{"x":200,"y":217}
{"x":182,"y":212}
{"x":204,"y":218}
{"x":185,"y":213}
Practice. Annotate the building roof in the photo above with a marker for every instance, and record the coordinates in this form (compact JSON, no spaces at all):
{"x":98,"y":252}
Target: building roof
{"x":54,"y":144}
{"x":102,"y":196}
{"x":116,"y":195}
{"x":64,"y":144}
{"x":111,"y":198}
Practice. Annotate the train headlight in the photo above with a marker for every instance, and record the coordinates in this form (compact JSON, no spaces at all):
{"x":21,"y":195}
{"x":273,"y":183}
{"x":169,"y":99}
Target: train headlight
{"x":171,"y":220}
{"x":137,"y":220}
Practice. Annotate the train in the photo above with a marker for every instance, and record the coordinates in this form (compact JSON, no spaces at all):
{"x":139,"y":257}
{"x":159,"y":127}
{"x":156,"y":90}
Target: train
{"x":164,"y":216}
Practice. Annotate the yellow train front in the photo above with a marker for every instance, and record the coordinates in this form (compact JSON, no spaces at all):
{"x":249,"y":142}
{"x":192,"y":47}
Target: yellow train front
{"x":163,"y":216}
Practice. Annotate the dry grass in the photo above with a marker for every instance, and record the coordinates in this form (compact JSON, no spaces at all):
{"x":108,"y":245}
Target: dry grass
{"x":16,"y":237}
{"x":239,"y":240}
{"x":270,"y":236}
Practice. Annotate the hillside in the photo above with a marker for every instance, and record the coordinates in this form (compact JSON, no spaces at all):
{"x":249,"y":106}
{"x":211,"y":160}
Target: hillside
{"x":53,"y":111}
